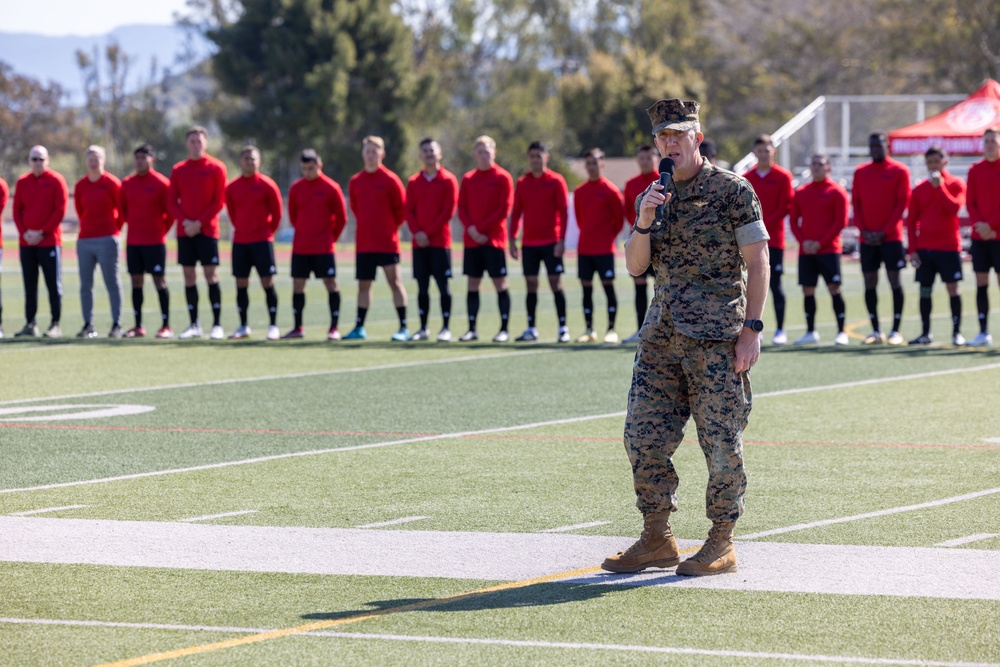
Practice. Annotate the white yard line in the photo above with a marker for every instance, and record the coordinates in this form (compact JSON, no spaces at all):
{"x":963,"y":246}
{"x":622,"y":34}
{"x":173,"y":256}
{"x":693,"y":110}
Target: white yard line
{"x":869,"y":515}
{"x":798,"y":657}
{"x":805,"y":568}
{"x":460,"y":434}
{"x":209,"y":517}
{"x":314,"y":452}
{"x":959,"y":541}
{"x":49,"y":509}
{"x":622,"y":648}
{"x":577,"y":526}
{"x":394,"y":522}
{"x":288,"y":376}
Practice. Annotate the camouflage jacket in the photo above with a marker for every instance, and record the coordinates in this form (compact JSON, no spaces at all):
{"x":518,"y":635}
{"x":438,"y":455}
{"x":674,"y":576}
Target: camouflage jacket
{"x":701,"y":277}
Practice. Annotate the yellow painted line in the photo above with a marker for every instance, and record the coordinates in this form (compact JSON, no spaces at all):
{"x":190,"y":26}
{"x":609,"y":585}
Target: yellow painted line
{"x":851,"y":329}
{"x":322,"y":625}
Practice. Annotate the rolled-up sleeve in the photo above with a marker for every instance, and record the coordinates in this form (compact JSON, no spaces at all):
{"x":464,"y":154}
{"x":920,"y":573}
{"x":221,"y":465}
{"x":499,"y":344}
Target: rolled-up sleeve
{"x":746,"y":214}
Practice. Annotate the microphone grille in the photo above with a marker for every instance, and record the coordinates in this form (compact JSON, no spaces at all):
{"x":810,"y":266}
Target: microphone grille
{"x":667,"y":166}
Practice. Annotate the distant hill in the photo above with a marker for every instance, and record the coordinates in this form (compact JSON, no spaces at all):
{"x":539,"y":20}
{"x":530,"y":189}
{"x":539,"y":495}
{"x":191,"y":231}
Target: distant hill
{"x":54,"y":58}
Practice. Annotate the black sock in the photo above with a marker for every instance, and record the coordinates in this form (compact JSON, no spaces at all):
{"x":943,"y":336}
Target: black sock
{"x":560,"y":297}
{"x":956,"y":314}
{"x":532,"y":303}
{"x":272,"y":304}
{"x":641,"y":303}
{"x":925,"y":312}
{"x":164,"y":295}
{"x":983,"y":306}
{"x":401,"y":314}
{"x":779,"y":299}
{"x":191,"y":295}
{"x":446,"y":308}
{"x":472,"y":306}
{"x":333,"y":302}
{"x":609,"y":291}
{"x":588,"y":306}
{"x":242,"y":304}
{"x":298,"y":305}
{"x":871,"y":302}
{"x":423,"y":307}
{"x":359,"y":321}
{"x":215,"y":298}
{"x":137,"y":305}
{"x":810,"y":306}
{"x":897,"y":307}
{"x":503,"y":301}
{"x":838,"y":311}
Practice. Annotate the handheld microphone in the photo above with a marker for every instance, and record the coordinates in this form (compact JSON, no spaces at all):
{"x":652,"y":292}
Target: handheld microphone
{"x":666,"y":169}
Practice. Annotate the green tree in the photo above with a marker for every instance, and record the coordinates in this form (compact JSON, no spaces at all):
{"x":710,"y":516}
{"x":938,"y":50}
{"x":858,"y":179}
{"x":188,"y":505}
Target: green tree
{"x":320,"y":73}
{"x":30,"y":113}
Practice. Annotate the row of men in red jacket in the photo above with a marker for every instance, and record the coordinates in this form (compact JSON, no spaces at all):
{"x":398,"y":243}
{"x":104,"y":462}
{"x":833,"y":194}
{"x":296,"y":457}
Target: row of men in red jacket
{"x":197,"y":190}
{"x":884,"y":205}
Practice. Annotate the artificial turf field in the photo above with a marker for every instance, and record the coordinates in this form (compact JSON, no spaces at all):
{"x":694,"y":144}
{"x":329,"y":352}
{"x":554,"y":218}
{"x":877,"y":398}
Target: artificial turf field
{"x":371,"y":503}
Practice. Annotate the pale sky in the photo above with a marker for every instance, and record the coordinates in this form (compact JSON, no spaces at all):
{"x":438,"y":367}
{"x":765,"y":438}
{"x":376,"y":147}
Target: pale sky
{"x":75,"y":17}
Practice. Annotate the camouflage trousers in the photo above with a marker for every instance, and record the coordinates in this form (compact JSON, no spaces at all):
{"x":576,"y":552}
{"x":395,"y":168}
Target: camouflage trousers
{"x":671,"y":383}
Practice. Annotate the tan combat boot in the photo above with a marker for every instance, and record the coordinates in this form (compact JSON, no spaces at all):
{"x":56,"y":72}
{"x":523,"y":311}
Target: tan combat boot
{"x":656,"y":547}
{"x":716,"y":556}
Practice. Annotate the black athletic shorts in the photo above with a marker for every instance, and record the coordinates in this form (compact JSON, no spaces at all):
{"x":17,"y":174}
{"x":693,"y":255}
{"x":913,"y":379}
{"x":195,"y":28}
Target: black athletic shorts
{"x":776,"y":260}
{"x":367,"y":263}
{"x":889,"y":253}
{"x":985,"y":256}
{"x":259,"y":255}
{"x":532,"y":257}
{"x":944,"y":263}
{"x":431,"y":263}
{"x":194,"y":249}
{"x":811,"y":267}
{"x":602,"y":265}
{"x":142,"y":259}
{"x":484,"y":259}
{"x":322,"y":266}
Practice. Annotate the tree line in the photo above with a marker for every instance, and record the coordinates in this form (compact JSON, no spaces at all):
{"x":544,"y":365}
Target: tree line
{"x":573,"y":73}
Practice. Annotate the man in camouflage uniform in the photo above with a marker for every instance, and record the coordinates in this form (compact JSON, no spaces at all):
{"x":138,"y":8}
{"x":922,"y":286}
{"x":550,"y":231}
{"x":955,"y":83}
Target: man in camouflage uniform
{"x":700,"y":339}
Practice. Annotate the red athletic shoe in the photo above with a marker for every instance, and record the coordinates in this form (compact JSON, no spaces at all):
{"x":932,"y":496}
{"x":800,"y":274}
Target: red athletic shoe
{"x":297,"y":332}
{"x":333,"y":334}
{"x":136,"y":332}
{"x":165,"y":332}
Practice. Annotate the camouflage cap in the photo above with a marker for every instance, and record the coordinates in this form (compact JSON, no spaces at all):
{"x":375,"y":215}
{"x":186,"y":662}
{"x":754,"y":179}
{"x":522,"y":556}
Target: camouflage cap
{"x":673,"y":115}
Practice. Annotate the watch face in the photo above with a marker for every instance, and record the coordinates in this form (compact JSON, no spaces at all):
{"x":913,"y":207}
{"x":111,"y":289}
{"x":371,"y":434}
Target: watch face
{"x":755,"y":325}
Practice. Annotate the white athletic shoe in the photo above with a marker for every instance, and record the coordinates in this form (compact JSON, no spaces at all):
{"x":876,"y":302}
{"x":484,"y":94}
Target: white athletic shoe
{"x":240,"y":333}
{"x":811,"y":337}
{"x":958,"y":340}
{"x":895,"y":338}
{"x":420,"y":334}
{"x":982,"y":340}
{"x":501,"y":337}
{"x":217,"y":333}
{"x":563,"y":335}
{"x":780,"y":338}
{"x":611,"y":337}
{"x":193,"y":331}
{"x":273,"y":332}
{"x":841,"y":338}
{"x":444,"y":336}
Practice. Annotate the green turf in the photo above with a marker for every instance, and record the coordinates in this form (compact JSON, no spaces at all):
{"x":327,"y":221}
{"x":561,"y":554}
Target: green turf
{"x":811,"y":456}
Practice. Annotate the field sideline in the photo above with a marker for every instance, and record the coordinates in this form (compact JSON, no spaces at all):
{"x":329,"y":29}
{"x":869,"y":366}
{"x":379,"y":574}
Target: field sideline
{"x":219,"y":503}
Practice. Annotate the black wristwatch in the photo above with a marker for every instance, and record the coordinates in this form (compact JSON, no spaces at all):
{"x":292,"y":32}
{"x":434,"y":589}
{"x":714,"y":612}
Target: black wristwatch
{"x":754,"y":325}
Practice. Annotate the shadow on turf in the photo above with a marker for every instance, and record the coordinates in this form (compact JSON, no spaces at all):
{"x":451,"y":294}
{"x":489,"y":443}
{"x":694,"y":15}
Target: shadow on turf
{"x":528,"y":596}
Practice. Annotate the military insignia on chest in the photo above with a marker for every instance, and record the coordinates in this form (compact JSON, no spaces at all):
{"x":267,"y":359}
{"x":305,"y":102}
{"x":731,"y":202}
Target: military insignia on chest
{"x":699,"y":203}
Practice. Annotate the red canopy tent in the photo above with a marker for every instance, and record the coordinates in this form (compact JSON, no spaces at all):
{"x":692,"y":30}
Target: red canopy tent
{"x":959,"y":129}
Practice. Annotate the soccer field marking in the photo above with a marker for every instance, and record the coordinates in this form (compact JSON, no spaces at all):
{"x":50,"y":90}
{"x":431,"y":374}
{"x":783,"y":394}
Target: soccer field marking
{"x":287,"y":376}
{"x":394,"y":522}
{"x":315,"y":452}
{"x":185,"y":429}
{"x":968,"y":574}
{"x":959,"y":541}
{"x":464,"y":434}
{"x":576,"y":526}
{"x":527,"y":643}
{"x":49,"y":509}
{"x":869,"y":515}
{"x":210,"y":517}
{"x":95,"y":411}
